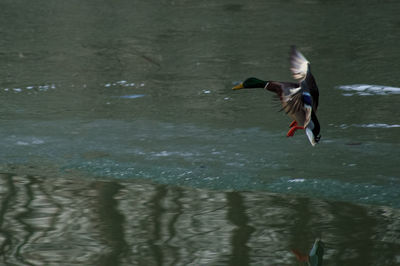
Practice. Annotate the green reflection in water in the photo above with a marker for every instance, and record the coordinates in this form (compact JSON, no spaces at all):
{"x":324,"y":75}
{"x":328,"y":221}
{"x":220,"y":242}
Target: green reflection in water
{"x":68,"y":221}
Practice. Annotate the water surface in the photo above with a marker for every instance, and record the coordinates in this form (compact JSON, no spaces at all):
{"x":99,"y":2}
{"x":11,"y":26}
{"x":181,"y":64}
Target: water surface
{"x":100,"y":99}
{"x":75,"y":221}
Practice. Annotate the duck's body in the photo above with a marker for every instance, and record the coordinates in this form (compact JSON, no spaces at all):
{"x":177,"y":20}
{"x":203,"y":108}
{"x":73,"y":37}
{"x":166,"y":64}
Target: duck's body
{"x":299,"y":100}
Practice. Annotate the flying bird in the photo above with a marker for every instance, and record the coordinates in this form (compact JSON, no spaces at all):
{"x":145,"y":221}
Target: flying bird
{"x":299,"y":99}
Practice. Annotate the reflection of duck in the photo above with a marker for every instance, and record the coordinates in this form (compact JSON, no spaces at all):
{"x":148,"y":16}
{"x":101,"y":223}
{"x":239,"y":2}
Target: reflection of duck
{"x":299,"y":100}
{"x":314,"y":258}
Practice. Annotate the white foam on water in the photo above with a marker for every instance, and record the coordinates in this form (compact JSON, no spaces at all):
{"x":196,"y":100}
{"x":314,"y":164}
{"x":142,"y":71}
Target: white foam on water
{"x":45,"y":87}
{"x":296,"y":180}
{"x":33,"y":141}
{"x":377,"y":125}
{"x":37,"y":141}
{"x":372,"y":125}
{"x":368,"y":90}
{"x":22,"y":143}
{"x":172,"y":153}
{"x":53,"y":86}
{"x":131,"y":96}
{"x":123,"y":83}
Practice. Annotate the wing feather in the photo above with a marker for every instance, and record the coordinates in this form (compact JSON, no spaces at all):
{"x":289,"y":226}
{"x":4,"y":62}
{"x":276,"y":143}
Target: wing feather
{"x":293,"y":103}
{"x":298,"y":64}
{"x":300,"y":68}
{"x":290,"y":95}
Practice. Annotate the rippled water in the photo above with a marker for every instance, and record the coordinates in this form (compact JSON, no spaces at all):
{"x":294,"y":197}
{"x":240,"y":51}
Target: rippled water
{"x":75,"y":221}
{"x":122,"y":141}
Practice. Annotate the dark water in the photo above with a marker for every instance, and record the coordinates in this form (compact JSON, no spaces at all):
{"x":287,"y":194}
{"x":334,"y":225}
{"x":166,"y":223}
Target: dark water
{"x":122,"y":142}
{"x":76,"y":221}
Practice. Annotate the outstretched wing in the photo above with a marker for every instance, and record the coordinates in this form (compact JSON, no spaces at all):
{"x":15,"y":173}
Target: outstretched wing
{"x":289,"y":94}
{"x":301,"y":71}
{"x":292,"y":100}
{"x":298,"y":64}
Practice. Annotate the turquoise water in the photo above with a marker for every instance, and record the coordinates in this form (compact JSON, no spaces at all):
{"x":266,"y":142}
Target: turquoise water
{"x":205,"y":157}
{"x":115,"y":95}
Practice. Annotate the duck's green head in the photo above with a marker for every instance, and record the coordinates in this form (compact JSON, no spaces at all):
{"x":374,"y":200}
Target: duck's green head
{"x":251,"y":83}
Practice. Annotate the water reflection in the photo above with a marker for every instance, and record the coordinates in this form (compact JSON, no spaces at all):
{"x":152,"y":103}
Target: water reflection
{"x":315,"y":256}
{"x":71,"y":221}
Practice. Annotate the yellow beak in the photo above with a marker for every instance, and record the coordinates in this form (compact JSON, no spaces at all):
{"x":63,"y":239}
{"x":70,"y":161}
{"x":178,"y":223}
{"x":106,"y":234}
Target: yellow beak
{"x":238,"y":87}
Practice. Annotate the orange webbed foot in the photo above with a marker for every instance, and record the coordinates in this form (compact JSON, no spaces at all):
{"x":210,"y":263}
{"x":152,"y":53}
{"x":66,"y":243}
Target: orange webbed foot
{"x":292,"y":130}
{"x":293,"y":124}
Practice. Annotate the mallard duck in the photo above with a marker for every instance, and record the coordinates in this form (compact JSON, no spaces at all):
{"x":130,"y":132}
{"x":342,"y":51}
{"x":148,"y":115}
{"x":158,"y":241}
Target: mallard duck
{"x":315,"y":257}
{"x":299,"y":99}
